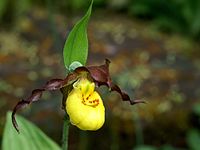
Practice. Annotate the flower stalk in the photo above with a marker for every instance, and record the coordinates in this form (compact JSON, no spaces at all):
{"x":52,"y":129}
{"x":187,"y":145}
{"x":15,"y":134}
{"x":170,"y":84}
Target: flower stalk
{"x":65,"y":133}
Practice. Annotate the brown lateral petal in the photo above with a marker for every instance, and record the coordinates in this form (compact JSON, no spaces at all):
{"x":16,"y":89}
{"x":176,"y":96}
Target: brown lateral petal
{"x":54,"y":84}
{"x":101,"y":76}
{"x":124,"y":96}
{"x":35,"y":96}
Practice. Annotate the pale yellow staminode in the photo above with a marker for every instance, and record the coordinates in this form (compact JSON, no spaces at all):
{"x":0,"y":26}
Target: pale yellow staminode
{"x":84,"y":106}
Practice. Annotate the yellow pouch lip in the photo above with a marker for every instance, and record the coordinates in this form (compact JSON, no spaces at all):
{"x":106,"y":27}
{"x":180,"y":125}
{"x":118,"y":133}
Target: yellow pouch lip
{"x":84,"y":116}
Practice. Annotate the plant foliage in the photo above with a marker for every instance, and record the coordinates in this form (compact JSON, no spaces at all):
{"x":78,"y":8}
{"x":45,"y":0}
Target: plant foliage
{"x":30,"y":137}
{"x":76,"y":45}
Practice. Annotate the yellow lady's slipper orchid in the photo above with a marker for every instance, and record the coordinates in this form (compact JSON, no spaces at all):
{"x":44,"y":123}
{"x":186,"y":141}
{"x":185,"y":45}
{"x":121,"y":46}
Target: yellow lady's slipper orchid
{"x":84,"y":106}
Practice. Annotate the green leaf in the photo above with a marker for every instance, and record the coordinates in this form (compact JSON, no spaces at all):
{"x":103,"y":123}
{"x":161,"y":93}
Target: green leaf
{"x":29,"y":138}
{"x":76,"y":45}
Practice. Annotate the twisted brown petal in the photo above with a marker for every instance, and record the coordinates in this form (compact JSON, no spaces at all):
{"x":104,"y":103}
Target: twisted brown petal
{"x":52,"y":85}
{"x":101,"y":76}
{"x":36,"y":94}
{"x":125,"y":96}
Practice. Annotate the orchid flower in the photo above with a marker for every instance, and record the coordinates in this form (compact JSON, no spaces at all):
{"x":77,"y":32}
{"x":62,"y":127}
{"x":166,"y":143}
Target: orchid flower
{"x":81,"y":102}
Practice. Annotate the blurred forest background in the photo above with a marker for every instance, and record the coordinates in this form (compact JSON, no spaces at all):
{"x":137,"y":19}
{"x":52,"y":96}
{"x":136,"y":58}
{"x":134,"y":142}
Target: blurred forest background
{"x":154,"y":49}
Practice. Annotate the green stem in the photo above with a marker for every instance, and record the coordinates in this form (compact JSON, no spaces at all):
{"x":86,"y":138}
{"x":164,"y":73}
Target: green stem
{"x":65,"y":133}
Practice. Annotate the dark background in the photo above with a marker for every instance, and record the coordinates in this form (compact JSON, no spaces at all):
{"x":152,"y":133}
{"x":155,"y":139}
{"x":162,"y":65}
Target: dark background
{"x":154,"y":49}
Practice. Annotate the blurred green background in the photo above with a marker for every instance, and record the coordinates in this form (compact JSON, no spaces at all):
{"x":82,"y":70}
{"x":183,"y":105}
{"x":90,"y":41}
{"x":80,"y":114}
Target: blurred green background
{"x":154,"y":49}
